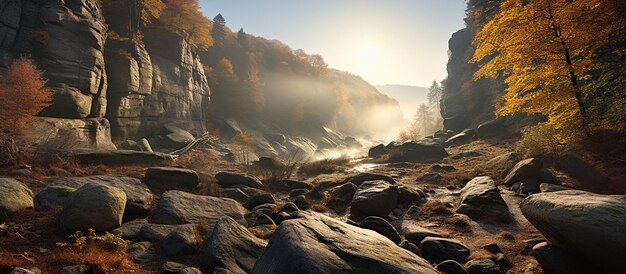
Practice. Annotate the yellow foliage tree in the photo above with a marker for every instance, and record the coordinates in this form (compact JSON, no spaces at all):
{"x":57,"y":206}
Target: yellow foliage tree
{"x":545,"y":49}
{"x":185,"y":18}
{"x":245,"y":143}
{"x":140,"y":13}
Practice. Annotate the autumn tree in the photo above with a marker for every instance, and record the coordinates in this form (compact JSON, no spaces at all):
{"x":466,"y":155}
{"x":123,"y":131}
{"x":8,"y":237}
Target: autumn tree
{"x":245,"y":143}
{"x":546,"y":50}
{"x":219,"y":29}
{"x":185,"y":18}
{"x":22,"y":95}
{"x":139,"y":13}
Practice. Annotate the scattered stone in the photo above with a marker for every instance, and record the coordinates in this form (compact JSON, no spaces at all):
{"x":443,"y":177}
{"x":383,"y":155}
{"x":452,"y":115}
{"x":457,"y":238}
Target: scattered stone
{"x":416,"y":234}
{"x":451,"y":267}
{"x":155,"y":232}
{"x":190,"y":270}
{"x":409,"y":196}
{"x":177,"y":207}
{"x":463,"y":137}
{"x":229,"y":179}
{"x":263,"y":219}
{"x":231,"y":246}
{"x":493,"y":248}
{"x":381,"y":226}
{"x":341,"y":196}
{"x":297,"y":192}
{"x":20,"y":270}
{"x":52,"y":196}
{"x":437,"y":250}
{"x":289,"y":208}
{"x":14,"y":196}
{"x":139,"y":198}
{"x":130,"y":230}
{"x":554,"y":260}
{"x":161,"y":179}
{"x":181,"y":241}
{"x":430,"y":178}
{"x":21,"y":172}
{"x":320,"y":244}
{"x":140,"y":252}
{"x":524,"y":170}
{"x":121,"y":157}
{"x":552,"y":188}
{"x":374,"y":198}
{"x":93,"y":206}
{"x":411,"y":247}
{"x":482,"y":266}
{"x":585,"y":224}
{"x":481,"y":200}
{"x":219,"y":270}
{"x":242,"y":194}
{"x":172,"y":267}
{"x":442,"y":168}
{"x":503,"y":262}
{"x":288,"y":185}
{"x":59,"y":172}
{"x":259,"y":199}
{"x":301,"y":202}
{"x":364,"y":177}
{"x":76,"y":269}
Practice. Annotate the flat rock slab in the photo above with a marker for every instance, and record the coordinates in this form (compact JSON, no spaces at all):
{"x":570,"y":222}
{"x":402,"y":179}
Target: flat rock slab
{"x":230,"y":179}
{"x":178,"y":207}
{"x":139,"y":197}
{"x":121,"y":157}
{"x":588,"y":225}
{"x":314,"y":243}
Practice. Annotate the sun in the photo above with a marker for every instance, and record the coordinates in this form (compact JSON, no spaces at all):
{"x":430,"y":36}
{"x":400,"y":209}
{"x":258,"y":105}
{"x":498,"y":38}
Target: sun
{"x":368,"y":53}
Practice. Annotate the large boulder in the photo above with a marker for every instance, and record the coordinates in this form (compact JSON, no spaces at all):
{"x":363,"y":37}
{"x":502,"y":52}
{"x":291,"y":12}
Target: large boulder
{"x":554,"y":260}
{"x":381,"y":226}
{"x":481,"y":200}
{"x":576,"y":167}
{"x":418,"y":152}
{"x":341,"y":196}
{"x":121,"y":157}
{"x":229,"y":179}
{"x":314,"y":243}
{"x":93,"y":206}
{"x":161,"y":179}
{"x":139,"y":199}
{"x":61,"y":135}
{"x":231,"y":246}
{"x":366,"y":176}
{"x":177,"y":207}
{"x":14,"y":196}
{"x":525,"y":170}
{"x":464,"y":136}
{"x":374,"y":198}
{"x":491,"y":128}
{"x":587,"y":225}
{"x":52,"y":196}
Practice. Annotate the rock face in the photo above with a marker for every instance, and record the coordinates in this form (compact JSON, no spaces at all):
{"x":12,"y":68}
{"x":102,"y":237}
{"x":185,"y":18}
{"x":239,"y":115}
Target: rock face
{"x":231,"y":246}
{"x":14,"y":196}
{"x":314,"y":243}
{"x":75,"y":71}
{"x":139,"y":199}
{"x":590,"y":226}
{"x":95,"y":206}
{"x":157,"y":83}
{"x":481,"y":199}
{"x":177,"y":207}
{"x":70,"y":134}
{"x":161,"y":179}
{"x":375,"y":198}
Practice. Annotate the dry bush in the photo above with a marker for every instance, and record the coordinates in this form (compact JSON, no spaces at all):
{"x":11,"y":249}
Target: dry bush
{"x":540,"y":140}
{"x":459,"y":223}
{"x":245,"y":144}
{"x":325,"y":166}
{"x":434,"y":208}
{"x":197,"y":160}
{"x":100,"y":251}
{"x":273,"y":171}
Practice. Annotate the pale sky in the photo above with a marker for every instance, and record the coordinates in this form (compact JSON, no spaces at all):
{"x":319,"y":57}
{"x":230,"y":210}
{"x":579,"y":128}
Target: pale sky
{"x":383,"y":41}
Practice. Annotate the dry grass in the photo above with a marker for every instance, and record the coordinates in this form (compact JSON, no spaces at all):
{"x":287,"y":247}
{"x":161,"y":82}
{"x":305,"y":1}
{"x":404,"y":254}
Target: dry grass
{"x":325,"y":166}
{"x":261,"y":233}
{"x":197,"y":160}
{"x":319,"y":208}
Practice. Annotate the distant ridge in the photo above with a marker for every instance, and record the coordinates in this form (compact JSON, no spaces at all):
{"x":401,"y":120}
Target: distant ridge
{"x":409,"y":97}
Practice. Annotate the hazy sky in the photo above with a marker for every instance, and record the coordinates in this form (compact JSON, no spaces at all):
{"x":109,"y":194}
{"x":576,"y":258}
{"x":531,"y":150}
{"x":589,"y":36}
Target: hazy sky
{"x":383,"y":41}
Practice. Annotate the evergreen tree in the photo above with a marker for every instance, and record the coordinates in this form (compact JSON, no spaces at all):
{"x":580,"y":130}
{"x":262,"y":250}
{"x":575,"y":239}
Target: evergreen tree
{"x":219,"y":29}
{"x":242,"y":37}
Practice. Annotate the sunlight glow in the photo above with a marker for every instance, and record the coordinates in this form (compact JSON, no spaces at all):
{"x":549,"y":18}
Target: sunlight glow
{"x":368,"y":53}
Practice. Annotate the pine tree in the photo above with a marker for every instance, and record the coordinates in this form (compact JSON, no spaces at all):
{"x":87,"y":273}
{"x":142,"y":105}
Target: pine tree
{"x":219,"y":29}
{"x":242,"y":38}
